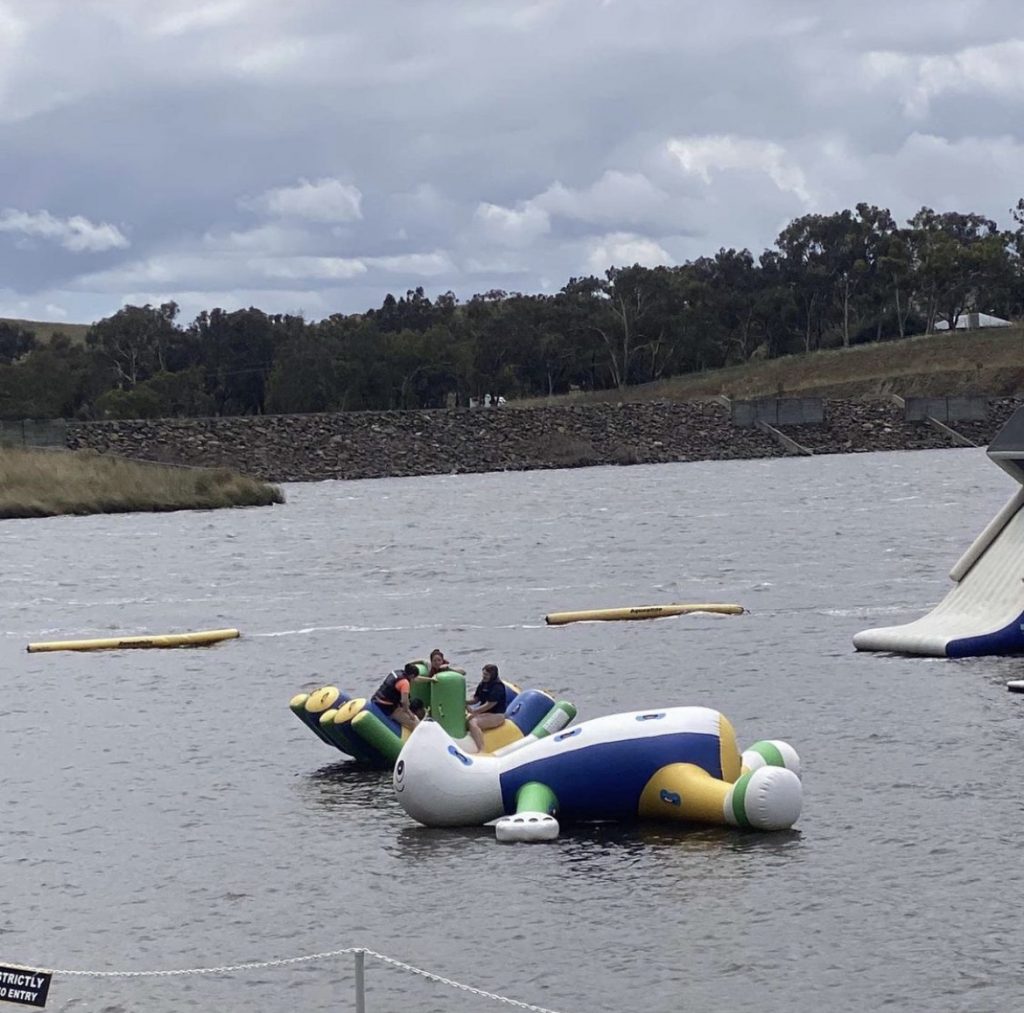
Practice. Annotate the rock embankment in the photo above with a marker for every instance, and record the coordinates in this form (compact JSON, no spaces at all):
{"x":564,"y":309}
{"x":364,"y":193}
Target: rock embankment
{"x":295,"y":448}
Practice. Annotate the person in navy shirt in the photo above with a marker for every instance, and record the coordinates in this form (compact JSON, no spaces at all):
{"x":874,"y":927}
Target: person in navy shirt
{"x":486,"y":709}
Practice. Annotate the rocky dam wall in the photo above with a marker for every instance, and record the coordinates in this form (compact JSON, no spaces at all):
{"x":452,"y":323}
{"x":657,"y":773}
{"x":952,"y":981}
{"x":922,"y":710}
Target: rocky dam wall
{"x":351,"y":445}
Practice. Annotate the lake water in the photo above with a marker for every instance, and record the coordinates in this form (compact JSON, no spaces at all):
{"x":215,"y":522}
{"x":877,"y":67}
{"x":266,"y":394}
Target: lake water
{"x":164,"y":809}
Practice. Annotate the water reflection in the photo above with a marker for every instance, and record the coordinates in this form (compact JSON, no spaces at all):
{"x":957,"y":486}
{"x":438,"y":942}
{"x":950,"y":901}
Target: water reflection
{"x":344,"y":786}
{"x":414,"y":842}
{"x":589,"y":842}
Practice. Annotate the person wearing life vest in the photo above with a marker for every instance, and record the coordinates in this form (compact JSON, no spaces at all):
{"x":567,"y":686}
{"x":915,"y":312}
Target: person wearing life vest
{"x":392,"y":697}
{"x":486,"y":709}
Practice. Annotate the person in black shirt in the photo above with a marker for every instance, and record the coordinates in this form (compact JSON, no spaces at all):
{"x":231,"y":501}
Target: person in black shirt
{"x":486,"y":709}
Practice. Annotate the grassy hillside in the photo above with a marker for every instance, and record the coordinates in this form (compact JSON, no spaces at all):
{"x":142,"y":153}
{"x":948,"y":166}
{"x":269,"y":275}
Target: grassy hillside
{"x":989,"y":361}
{"x":44,"y":331}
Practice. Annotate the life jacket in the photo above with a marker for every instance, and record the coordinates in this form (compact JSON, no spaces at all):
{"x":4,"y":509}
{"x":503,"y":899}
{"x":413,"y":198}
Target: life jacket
{"x":388,"y":694}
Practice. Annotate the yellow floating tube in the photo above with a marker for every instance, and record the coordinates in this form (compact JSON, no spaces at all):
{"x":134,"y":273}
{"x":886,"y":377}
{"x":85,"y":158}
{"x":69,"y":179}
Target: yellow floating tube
{"x":638,"y":612}
{"x":118,"y":643}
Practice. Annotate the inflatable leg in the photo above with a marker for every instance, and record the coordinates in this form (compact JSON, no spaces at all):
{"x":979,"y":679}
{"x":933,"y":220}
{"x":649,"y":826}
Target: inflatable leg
{"x":769,"y":798}
{"x":765,"y":799}
{"x":771,"y":753}
{"x":534,"y":818}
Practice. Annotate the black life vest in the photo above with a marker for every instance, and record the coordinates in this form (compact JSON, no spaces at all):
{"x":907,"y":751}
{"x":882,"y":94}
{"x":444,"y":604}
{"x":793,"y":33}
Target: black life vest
{"x":388,"y":695}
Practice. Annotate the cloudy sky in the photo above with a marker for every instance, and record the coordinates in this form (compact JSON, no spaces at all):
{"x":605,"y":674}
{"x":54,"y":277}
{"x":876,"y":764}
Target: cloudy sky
{"x":313,"y":156}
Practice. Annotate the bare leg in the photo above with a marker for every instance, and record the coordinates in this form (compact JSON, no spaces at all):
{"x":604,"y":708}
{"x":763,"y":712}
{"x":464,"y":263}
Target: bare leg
{"x":478,"y":724}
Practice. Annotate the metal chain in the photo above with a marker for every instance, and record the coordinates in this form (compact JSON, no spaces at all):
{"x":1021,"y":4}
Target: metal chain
{"x":457,"y":984}
{"x":256,"y":964}
{"x":191,"y":970}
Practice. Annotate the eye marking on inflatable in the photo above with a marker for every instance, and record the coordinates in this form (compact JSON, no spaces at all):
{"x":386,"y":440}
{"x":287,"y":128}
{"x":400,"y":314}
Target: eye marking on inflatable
{"x":400,"y":776}
{"x":568,"y":735}
{"x":650,"y":717}
{"x":458,"y":756}
{"x":670,"y":797}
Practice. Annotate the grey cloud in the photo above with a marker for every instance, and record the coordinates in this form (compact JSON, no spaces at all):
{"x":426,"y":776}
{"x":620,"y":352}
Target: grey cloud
{"x":257,"y":152}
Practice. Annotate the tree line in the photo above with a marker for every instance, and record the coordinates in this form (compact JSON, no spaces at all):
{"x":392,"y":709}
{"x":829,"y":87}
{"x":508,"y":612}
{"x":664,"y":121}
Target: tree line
{"x":829,"y":281}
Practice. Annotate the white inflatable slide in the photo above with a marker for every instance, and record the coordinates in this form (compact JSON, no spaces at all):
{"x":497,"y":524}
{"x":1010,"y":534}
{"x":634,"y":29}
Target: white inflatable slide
{"x":984,"y":613}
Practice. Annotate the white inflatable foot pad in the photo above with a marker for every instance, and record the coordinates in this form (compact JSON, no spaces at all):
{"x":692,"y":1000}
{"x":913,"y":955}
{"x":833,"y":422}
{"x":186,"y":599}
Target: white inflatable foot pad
{"x":766,"y":799}
{"x":526,"y":826}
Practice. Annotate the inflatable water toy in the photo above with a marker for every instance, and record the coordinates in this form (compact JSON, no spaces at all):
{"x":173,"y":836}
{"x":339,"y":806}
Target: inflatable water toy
{"x":361,"y":729}
{"x":984,"y":612}
{"x":680,"y":764}
{"x":200,"y":639}
{"x":638,"y":612}
{"x":1015,"y":685}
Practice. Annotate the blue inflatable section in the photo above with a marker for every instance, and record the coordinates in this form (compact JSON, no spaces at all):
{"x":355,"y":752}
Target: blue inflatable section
{"x":605,"y":780}
{"x":526,"y":709}
{"x":1008,"y":640}
{"x":389,"y":722}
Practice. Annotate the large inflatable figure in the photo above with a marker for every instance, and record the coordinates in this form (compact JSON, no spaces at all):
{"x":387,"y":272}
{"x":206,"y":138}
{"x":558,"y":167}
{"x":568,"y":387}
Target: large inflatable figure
{"x":361,"y":729}
{"x":680,"y":764}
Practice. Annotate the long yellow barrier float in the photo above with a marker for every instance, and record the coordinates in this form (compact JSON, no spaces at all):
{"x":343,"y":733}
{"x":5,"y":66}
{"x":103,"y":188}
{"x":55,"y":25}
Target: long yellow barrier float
{"x":638,"y":612}
{"x":199,"y":639}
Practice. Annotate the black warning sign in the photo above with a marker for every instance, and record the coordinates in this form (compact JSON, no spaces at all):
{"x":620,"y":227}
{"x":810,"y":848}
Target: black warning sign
{"x":23,"y":986}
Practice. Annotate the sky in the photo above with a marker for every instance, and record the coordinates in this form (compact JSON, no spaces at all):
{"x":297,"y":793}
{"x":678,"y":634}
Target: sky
{"x":313,"y":156}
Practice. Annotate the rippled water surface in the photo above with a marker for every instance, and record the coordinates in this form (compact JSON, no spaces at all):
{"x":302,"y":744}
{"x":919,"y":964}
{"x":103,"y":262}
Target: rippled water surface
{"x":164,"y":809}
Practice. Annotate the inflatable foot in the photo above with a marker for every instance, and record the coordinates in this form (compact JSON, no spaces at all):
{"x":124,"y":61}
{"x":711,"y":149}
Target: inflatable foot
{"x":771,"y":753}
{"x":769,"y":798}
{"x":526,"y":826}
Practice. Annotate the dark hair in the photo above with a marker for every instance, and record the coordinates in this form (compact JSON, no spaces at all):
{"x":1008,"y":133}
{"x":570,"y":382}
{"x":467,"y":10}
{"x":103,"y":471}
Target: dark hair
{"x":417,"y":707}
{"x":491,"y":670}
{"x":437,"y":650}
{"x":412,"y":669}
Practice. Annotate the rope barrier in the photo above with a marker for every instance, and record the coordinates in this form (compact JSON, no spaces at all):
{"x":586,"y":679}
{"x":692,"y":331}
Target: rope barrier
{"x":227,"y":968}
{"x":306,"y":958}
{"x":457,"y":984}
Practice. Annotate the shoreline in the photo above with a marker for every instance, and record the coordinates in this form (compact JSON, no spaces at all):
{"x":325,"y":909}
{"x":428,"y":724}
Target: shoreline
{"x":36,"y":483}
{"x":359,"y":445}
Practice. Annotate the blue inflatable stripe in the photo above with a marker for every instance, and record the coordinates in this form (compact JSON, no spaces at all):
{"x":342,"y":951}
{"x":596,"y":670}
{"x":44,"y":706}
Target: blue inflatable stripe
{"x":605,"y":780}
{"x":1008,"y":640}
{"x":527,"y":709}
{"x":389,"y":722}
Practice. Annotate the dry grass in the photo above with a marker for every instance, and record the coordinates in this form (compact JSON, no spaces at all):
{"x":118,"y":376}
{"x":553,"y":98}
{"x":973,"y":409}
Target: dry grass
{"x":44,"y":331}
{"x":48,"y":483}
{"x":989,"y":361}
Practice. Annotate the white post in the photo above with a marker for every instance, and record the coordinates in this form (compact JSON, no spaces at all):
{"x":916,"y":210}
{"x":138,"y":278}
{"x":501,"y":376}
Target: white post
{"x":360,"y":983}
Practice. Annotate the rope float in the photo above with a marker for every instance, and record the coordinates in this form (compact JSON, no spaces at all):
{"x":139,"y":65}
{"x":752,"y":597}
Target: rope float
{"x":199,"y":639}
{"x":638,"y":612}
